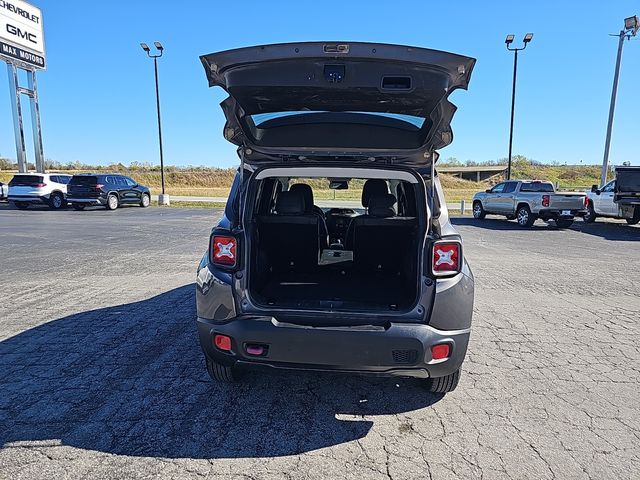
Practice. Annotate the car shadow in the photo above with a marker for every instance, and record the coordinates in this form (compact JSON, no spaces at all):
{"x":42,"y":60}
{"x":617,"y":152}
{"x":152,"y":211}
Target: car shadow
{"x":130,"y":380}
{"x":609,"y":230}
{"x":501,"y":223}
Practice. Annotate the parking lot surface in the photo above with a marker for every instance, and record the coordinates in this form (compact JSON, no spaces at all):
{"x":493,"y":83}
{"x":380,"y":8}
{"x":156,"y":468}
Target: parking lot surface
{"x":101,"y":374}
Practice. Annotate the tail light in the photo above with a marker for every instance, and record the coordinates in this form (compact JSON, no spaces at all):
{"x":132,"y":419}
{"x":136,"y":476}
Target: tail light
{"x":40,"y":185}
{"x":99,"y":186}
{"x":223,"y":250}
{"x":446,"y":258}
{"x":545,"y":200}
{"x":586,"y":202}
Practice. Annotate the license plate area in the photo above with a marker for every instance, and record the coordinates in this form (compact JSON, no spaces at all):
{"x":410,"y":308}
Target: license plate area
{"x":565,"y":213}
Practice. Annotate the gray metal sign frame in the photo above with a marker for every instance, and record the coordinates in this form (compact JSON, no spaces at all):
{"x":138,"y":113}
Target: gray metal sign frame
{"x":16,"y":106}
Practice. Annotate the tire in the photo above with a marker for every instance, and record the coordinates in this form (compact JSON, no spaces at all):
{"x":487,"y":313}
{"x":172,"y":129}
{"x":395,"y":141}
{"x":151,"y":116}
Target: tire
{"x":21,"y":205}
{"x":478,"y":211}
{"x":145,"y":201}
{"x":634,"y":220}
{"x":78,"y":206}
{"x":221,"y":373}
{"x":56,"y":201}
{"x":563,"y":222}
{"x":590,"y":216}
{"x":524,"y":216}
{"x":444,"y":384}
{"x":112,"y":202}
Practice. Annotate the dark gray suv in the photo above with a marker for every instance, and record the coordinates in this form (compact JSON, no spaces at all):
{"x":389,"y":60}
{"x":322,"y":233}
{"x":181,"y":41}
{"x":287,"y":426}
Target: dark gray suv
{"x":376,"y":285}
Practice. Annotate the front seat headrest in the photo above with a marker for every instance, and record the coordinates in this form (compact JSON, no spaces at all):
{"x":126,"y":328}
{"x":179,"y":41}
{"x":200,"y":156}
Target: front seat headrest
{"x":307,"y":194}
{"x":382,"y":206}
{"x":290,"y":203}
{"x":373,"y":186}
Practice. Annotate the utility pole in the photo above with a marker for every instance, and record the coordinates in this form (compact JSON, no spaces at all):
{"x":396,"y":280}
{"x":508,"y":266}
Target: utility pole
{"x":631,"y":25}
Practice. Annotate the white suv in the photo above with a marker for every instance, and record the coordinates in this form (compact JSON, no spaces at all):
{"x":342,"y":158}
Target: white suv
{"x":47,"y":188}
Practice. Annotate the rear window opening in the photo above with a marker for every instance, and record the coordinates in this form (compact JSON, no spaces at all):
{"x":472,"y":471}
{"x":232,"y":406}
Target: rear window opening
{"x":536,"y":187}
{"x":26,"y":180}
{"x":84,"y":180}
{"x":316,"y":247}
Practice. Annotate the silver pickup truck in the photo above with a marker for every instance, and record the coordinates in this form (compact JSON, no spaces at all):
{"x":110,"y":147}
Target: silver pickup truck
{"x":528,"y":200}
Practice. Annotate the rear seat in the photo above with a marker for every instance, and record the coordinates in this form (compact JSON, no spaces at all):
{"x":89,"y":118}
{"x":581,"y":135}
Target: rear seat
{"x":290,"y":239}
{"x":379,"y":237}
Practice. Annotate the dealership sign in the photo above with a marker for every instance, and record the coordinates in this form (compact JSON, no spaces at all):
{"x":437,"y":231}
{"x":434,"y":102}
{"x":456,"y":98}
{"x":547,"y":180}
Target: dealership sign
{"x":21,"y":33}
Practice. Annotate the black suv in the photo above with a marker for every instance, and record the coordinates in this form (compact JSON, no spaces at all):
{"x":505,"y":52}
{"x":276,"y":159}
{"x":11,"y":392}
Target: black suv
{"x":110,"y":190}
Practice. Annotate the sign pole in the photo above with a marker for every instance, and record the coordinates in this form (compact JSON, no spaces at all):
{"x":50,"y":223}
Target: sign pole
{"x":14,"y":91}
{"x":35,"y":121}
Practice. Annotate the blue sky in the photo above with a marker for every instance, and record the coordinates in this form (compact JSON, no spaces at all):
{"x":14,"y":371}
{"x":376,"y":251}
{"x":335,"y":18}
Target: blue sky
{"x":98,"y":104}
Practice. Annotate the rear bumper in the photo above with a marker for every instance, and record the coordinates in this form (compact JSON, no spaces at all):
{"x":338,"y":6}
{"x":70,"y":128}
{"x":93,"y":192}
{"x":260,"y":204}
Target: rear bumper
{"x":561,"y":213}
{"x":28,"y":198}
{"x":87,"y":201}
{"x":399,"y":349}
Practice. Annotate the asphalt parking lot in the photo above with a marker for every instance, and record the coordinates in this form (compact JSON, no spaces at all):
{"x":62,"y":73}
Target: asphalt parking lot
{"x":101,"y":375}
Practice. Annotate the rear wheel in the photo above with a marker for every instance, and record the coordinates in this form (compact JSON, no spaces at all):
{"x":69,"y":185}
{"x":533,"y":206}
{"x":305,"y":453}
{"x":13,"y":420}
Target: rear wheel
{"x":78,"y":206}
{"x":590,"y":215}
{"x":634,"y":220}
{"x":221,"y":373}
{"x":564,"y":222}
{"x":524,"y":216}
{"x":56,"y":201}
{"x":478,"y":211}
{"x":444,"y":384}
{"x":112,"y":201}
{"x":21,"y":205}
{"x":145,"y":200}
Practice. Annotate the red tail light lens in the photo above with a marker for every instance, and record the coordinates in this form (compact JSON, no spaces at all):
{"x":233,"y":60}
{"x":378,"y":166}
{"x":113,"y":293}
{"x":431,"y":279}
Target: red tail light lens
{"x":99,"y":186}
{"x":441,"y":351}
{"x":224,"y":250}
{"x":40,"y":185}
{"x":222,"y":342}
{"x":545,"y":200}
{"x":447,"y":258}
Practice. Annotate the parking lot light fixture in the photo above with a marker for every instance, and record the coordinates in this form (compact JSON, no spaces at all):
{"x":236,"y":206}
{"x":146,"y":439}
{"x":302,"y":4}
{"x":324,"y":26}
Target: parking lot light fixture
{"x":508,"y":41}
{"x":163,"y":198}
{"x":631,"y":27}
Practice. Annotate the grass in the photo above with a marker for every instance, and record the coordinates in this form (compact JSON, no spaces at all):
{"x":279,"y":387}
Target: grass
{"x":215,"y":182}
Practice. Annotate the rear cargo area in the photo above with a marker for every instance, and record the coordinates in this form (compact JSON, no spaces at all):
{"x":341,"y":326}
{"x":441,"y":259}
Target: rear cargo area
{"x":371,"y":264}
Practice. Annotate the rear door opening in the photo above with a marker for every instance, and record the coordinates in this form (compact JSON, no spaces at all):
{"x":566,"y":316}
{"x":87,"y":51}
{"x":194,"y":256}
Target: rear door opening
{"x":335,"y":238}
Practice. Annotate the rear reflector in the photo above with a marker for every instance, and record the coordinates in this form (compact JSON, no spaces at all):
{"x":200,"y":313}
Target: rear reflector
{"x":447,"y":258}
{"x":545,"y":200}
{"x":439,"y":352}
{"x":223,"y":250}
{"x":222,"y":342}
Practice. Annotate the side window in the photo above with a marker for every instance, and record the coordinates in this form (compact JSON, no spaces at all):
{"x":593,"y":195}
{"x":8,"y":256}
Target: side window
{"x":498,"y":188}
{"x":129,"y":182}
{"x":609,"y":186}
{"x":119,"y":181}
{"x":54,"y":178}
{"x":65,"y":179}
{"x":510,"y":187}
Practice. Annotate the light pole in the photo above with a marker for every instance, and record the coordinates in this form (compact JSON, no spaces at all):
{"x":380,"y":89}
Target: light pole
{"x":631,"y":26}
{"x":509,"y":40}
{"x":163,"y":199}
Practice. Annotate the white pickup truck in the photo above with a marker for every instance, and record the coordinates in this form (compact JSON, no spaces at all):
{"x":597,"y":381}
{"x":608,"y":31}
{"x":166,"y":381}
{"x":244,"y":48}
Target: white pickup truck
{"x":528,"y":200}
{"x":620,"y":198}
